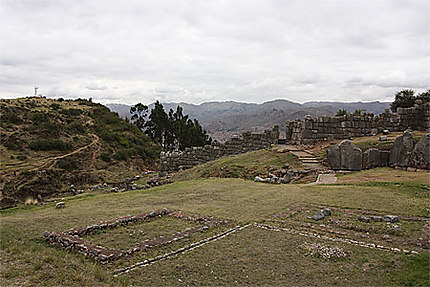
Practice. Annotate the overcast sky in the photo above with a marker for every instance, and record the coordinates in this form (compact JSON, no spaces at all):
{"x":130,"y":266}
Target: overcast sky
{"x":196,"y":51}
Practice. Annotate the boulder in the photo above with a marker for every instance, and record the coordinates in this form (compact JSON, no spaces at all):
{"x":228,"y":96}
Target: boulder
{"x":333,"y":157}
{"x":351,"y":156}
{"x":60,"y":204}
{"x":420,"y":157}
{"x":288,"y":177}
{"x":318,"y":216}
{"x":326,"y":211}
{"x":375,"y":158}
{"x":401,"y":151}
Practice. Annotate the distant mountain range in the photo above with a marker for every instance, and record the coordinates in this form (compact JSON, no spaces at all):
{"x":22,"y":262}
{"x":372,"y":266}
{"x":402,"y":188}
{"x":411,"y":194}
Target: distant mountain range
{"x":223,"y":119}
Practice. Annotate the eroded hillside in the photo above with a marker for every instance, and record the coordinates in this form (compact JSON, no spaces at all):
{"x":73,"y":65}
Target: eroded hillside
{"x":48,"y":145}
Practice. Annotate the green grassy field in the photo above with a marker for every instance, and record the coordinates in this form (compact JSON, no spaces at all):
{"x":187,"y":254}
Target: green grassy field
{"x":252,"y":256}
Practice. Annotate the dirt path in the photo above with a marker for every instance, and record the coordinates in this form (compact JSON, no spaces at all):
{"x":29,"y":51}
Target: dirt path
{"x":52,"y":160}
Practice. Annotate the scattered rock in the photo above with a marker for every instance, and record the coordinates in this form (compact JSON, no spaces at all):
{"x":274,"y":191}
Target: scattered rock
{"x":318,"y":216}
{"x":60,"y":204}
{"x":391,"y":218}
{"x":376,"y":218}
{"x":364,"y":219}
{"x":260,"y":179}
{"x":326,"y":211}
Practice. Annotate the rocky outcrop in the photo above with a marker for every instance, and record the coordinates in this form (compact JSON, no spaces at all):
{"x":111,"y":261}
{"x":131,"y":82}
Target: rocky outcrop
{"x":401,"y":151}
{"x":420,"y":157}
{"x":375,"y":158}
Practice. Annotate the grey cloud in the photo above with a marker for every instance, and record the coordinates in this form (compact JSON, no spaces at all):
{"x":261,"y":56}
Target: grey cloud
{"x":96,"y":87}
{"x":194,"y":51}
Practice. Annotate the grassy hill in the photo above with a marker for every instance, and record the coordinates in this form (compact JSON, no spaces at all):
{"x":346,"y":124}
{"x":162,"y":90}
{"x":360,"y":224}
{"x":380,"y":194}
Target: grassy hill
{"x":48,"y":145}
{"x":245,"y":166}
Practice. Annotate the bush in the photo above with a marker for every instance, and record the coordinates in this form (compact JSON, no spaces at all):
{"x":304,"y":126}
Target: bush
{"x":38,"y":118}
{"x":55,"y":106}
{"x":10,"y":117}
{"x":105,"y":157}
{"x":48,"y":144}
{"x":71,"y":112}
{"x":68,"y":163}
{"x":21,"y":157}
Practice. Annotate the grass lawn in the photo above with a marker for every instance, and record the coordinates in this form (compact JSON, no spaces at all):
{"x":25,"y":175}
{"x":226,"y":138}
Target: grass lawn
{"x":250,"y":257}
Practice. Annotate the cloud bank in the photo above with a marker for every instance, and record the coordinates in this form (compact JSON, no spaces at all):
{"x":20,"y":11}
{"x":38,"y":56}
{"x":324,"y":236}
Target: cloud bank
{"x":196,"y":51}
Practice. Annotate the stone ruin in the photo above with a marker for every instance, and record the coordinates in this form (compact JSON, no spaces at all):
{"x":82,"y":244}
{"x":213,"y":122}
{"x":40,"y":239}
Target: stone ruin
{"x":404,"y":154}
{"x":248,"y":141}
{"x":72,"y":239}
{"x":312,"y":130}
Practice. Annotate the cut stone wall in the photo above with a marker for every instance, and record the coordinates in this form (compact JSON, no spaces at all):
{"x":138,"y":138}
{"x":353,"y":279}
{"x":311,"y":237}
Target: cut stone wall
{"x":249,"y":141}
{"x":312,"y":130}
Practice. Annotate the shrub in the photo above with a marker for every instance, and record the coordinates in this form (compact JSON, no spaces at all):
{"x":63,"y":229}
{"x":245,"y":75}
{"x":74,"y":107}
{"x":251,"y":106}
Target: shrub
{"x":68,"y":163}
{"x":49,"y":144}
{"x":38,"y":118}
{"x":21,"y":157}
{"x":55,"y":106}
{"x":105,"y":157}
{"x":71,"y":112}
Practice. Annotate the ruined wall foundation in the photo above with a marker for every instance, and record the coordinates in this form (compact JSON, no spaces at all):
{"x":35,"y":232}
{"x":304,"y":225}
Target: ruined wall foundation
{"x":249,"y":141}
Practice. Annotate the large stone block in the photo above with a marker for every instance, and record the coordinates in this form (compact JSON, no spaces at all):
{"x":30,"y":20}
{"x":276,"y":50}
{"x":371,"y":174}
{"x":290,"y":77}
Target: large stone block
{"x":375,"y":158}
{"x":401,"y":151}
{"x":420,"y":157}
{"x":351,"y":156}
{"x":333,"y":157}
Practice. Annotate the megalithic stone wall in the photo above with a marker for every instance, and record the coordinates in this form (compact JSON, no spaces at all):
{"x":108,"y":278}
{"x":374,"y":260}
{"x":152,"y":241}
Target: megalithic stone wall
{"x":249,"y":141}
{"x":311,"y":130}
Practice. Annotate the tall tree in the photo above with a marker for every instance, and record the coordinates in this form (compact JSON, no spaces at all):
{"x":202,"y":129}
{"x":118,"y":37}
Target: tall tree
{"x":157,"y":124}
{"x":139,"y":113}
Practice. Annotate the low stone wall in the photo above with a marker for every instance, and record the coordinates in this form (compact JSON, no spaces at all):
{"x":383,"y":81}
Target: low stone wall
{"x":312,"y":130}
{"x":73,"y":240}
{"x":249,"y":141}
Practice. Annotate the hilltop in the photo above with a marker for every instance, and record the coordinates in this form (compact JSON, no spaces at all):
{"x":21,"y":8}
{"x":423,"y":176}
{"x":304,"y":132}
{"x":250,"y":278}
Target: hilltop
{"x":48,"y":145}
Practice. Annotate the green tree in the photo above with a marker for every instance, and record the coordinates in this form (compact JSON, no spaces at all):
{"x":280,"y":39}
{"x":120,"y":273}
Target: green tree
{"x":424,"y":96}
{"x":139,"y":113}
{"x":340,"y":113}
{"x":175,"y":131}
{"x":403,"y":99}
{"x":358,"y":112}
{"x":157,"y":124}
